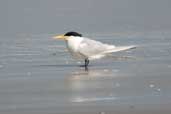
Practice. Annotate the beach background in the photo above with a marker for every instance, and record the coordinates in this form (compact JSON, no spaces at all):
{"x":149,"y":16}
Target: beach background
{"x":37,"y":75}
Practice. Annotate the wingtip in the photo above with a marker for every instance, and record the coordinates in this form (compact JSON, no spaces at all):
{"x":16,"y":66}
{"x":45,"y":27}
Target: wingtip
{"x":133,"y":46}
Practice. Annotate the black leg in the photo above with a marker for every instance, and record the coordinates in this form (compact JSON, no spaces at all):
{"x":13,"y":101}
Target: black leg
{"x":86,"y":62}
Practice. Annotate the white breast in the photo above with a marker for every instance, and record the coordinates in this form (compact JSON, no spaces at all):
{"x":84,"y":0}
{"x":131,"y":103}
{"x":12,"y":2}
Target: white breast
{"x":73,"y":45}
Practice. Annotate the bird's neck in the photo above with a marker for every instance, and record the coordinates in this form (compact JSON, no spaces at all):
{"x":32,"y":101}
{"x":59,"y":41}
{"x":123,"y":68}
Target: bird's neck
{"x":73,"y":43}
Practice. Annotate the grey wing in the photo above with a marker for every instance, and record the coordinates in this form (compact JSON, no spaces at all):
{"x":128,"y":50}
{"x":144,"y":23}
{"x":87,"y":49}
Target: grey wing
{"x":90,"y":47}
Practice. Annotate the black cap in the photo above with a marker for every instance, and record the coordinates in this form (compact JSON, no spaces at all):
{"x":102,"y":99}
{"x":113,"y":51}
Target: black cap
{"x":73,"y":34}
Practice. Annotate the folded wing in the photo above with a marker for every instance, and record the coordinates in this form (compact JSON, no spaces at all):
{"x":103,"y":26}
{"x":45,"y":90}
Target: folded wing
{"x":90,"y":47}
{"x":120,"y":48}
{"x":95,"y":49}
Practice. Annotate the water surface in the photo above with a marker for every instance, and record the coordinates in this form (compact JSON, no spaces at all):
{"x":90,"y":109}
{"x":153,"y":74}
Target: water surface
{"x":37,"y":75}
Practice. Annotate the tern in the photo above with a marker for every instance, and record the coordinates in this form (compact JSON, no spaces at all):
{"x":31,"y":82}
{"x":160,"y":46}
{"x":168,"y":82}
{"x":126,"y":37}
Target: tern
{"x":87,"y":49}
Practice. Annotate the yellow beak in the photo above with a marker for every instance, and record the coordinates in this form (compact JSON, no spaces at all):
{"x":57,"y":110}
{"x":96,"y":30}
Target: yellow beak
{"x":60,"y":37}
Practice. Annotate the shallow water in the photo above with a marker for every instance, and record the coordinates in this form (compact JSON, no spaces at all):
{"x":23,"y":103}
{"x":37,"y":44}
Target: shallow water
{"x":37,"y":75}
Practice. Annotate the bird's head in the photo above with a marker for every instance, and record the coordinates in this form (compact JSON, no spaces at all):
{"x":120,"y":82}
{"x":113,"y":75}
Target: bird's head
{"x":67,"y":35}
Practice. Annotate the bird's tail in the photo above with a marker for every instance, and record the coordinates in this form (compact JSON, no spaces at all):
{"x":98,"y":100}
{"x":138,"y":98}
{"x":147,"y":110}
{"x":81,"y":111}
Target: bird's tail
{"x":120,"y":48}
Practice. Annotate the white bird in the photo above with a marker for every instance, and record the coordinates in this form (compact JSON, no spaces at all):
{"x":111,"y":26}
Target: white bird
{"x":87,"y":49}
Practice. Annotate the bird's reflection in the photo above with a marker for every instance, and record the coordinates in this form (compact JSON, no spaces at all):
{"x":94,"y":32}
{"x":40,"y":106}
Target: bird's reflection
{"x":94,"y":84}
{"x":92,"y":74}
{"x":90,"y":85}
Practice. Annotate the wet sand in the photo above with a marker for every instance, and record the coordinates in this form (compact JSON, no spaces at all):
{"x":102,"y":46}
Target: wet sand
{"x":37,"y":75}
